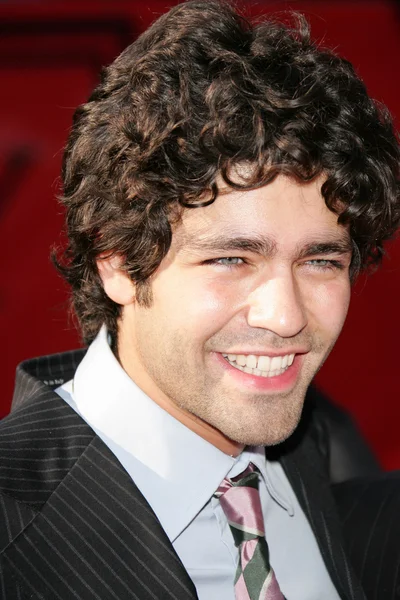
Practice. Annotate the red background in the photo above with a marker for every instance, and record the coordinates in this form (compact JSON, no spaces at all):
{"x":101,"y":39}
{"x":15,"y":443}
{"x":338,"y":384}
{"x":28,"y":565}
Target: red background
{"x":50,"y":56}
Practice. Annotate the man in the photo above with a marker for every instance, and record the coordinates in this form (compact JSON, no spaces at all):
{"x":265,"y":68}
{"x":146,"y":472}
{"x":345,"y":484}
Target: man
{"x":223,"y":184}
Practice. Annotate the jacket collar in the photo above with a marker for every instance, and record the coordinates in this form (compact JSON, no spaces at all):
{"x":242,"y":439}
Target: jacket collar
{"x":303,"y":466}
{"x":94,"y":534}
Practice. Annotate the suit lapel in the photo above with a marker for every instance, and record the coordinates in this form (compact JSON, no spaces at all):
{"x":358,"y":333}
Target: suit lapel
{"x":95,"y":536}
{"x":313,"y":491}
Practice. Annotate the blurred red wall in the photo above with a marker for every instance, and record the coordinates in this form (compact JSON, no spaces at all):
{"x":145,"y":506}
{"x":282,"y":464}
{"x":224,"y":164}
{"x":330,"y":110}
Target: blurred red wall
{"x":50,"y":56}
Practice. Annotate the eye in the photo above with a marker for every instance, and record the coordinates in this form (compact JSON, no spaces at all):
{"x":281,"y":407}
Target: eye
{"x":325,"y":264}
{"x":226,"y":261}
{"x":230,"y":261}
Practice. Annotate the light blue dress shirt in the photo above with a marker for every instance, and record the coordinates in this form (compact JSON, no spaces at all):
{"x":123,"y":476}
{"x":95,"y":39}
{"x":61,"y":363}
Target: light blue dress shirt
{"x":178,"y":472}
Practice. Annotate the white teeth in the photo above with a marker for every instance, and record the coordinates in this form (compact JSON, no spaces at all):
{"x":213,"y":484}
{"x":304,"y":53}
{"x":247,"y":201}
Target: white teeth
{"x":276,"y":363}
{"x":251,"y":361}
{"x":262,"y":366}
{"x":264,"y":363}
{"x":258,"y":372}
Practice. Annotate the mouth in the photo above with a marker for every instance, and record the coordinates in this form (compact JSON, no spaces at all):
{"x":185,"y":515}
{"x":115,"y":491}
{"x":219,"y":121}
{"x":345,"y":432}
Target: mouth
{"x":260,"y":366}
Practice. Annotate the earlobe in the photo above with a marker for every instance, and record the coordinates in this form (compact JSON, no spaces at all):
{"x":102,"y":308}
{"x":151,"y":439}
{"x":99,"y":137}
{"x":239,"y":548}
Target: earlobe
{"x":116,"y":282}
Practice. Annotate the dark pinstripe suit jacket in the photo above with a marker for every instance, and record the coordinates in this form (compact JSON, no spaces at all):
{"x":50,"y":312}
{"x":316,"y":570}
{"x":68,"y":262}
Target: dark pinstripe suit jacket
{"x":73,"y":525}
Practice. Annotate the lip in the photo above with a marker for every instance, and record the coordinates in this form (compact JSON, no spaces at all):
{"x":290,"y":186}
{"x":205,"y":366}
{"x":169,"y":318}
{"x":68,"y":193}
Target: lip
{"x":279,"y":383}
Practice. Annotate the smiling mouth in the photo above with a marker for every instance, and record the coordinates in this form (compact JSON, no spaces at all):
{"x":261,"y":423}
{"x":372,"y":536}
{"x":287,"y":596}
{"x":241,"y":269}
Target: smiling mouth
{"x":262,"y":366}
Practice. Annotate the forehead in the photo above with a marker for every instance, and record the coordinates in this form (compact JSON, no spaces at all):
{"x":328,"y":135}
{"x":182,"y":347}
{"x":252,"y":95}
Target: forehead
{"x":284,"y":211}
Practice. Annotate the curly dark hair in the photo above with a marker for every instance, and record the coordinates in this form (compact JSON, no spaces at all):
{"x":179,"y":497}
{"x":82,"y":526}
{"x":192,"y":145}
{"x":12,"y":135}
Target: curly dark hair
{"x":202,"y":90}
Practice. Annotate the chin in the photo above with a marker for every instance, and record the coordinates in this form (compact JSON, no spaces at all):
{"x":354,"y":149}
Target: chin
{"x":265,"y":432}
{"x":267,"y":440}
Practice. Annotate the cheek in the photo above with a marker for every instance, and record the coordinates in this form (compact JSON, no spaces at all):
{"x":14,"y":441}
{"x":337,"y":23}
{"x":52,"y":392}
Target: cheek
{"x":329,"y":305}
{"x":200,"y":305}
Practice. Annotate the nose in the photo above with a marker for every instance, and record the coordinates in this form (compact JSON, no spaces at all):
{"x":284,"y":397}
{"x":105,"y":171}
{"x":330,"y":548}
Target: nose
{"x":277,"y":305}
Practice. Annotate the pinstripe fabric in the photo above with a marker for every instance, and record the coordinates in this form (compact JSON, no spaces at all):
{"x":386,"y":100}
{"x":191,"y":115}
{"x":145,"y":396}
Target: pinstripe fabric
{"x":369,"y":510}
{"x":84,"y":530}
{"x":11,"y":588}
{"x":97,"y":538}
{"x":52,"y":370}
{"x":77,"y":526}
{"x":14,"y":517}
{"x":33,"y":450}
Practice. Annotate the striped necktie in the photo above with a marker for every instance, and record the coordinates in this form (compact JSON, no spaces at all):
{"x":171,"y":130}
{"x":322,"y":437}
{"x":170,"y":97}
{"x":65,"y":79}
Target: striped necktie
{"x":240,"y":501}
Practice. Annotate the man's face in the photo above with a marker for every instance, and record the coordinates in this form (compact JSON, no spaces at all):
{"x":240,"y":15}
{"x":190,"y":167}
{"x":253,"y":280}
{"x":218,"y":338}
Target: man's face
{"x":246,"y":307}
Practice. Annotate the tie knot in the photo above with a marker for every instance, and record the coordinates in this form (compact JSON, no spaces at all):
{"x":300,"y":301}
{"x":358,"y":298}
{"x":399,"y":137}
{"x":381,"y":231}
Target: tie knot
{"x":248,"y":478}
{"x":240,"y":501}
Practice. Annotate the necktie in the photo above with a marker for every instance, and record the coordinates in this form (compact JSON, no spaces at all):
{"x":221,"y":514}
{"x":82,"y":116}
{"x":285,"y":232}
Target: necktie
{"x":240,"y":501}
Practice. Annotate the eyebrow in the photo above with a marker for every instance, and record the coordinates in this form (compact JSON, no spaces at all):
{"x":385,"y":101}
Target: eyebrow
{"x":340,"y":247}
{"x":267,"y":247}
{"x":256,"y":244}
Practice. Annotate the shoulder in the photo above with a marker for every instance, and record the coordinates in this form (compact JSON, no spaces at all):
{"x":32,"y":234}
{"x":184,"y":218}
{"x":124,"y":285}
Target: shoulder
{"x":37,"y":375}
{"x":340,"y":439}
{"x":40,"y":441}
{"x":369,"y":511}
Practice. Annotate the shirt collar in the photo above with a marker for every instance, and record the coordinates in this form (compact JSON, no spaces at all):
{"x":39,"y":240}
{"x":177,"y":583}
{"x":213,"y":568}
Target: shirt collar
{"x":175,"y":469}
{"x":271,"y":473}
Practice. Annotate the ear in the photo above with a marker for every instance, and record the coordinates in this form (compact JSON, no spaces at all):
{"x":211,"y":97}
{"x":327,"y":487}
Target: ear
{"x":116,"y":283}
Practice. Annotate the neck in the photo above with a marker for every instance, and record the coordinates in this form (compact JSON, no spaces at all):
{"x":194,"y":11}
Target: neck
{"x":191,"y":421}
{"x":203,"y":429}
